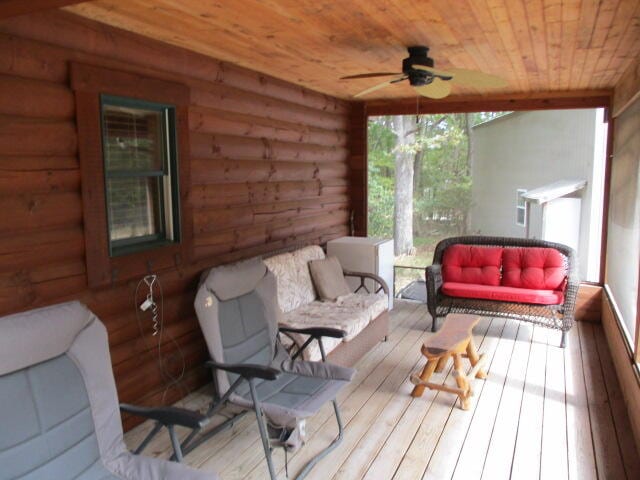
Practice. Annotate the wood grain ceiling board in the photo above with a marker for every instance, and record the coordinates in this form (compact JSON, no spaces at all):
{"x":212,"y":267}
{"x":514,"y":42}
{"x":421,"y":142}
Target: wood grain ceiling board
{"x":537,"y":45}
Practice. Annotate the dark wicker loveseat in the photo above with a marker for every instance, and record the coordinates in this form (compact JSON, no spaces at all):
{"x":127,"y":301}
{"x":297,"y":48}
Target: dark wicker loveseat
{"x":560,"y":316}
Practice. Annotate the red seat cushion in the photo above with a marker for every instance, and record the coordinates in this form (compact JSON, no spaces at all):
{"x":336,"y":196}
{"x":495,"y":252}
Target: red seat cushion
{"x":534,"y":268}
{"x":503,"y":294}
{"x":472,"y":264}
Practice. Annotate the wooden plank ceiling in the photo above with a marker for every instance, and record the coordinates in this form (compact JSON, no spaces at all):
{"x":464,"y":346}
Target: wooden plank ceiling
{"x":537,"y":45}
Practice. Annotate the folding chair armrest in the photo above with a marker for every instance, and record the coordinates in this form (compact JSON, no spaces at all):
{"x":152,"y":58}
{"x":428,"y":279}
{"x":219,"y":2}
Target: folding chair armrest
{"x":246,"y":370}
{"x":316,"y":331}
{"x":168,"y":415}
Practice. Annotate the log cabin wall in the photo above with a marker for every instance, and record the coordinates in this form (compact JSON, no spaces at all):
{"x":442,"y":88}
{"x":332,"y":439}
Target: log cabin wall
{"x":269,"y":169}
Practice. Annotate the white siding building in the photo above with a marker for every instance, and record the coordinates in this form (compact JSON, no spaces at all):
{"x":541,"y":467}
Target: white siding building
{"x":526,"y":150}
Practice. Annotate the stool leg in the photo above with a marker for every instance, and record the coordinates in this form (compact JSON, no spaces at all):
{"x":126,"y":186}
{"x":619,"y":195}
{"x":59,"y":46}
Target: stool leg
{"x":442,"y":363}
{"x":427,"y":371}
{"x":461,"y":380}
{"x":472,"y":353}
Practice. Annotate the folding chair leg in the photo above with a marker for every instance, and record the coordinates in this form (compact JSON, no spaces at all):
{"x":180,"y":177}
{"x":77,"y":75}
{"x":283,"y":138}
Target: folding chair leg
{"x":156,"y":428}
{"x":194,"y":440}
{"x":191,"y":443}
{"x":326,"y":451}
{"x":175,"y":443}
{"x":262,"y":428}
{"x":339,"y":420}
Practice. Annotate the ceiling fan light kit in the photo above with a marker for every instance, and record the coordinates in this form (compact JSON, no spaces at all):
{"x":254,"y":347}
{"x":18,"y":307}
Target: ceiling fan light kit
{"x":419,"y":69}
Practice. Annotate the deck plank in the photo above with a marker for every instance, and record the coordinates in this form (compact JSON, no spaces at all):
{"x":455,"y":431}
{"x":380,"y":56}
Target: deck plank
{"x":391,"y":454}
{"x":542,"y":412}
{"x":553,"y":457}
{"x":608,"y":456}
{"x":365,"y":416}
{"x":440,"y":422}
{"x":581,"y":457}
{"x":626,"y":441}
{"x":526,"y":456}
{"x":472,"y":455}
{"x":500,"y":452}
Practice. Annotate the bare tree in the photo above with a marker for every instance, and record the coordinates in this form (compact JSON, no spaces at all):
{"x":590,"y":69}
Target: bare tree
{"x":469,"y":133}
{"x":404,"y":126}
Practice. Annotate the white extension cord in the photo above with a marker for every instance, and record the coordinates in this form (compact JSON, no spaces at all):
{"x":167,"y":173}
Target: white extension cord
{"x":157,"y":318}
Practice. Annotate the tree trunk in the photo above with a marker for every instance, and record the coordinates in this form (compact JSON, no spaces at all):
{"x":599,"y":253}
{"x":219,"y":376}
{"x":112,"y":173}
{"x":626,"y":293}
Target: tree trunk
{"x":469,"y":133}
{"x":418,"y":157}
{"x":466,"y":223}
{"x":404,"y":127}
{"x":417,"y":175}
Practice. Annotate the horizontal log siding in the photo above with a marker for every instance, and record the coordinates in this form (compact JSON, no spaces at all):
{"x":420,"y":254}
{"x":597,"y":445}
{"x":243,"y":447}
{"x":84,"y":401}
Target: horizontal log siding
{"x":269,"y":169}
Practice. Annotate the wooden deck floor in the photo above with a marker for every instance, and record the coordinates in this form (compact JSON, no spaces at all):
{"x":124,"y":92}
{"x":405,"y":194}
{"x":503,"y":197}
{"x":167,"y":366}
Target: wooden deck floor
{"x":543,"y":412}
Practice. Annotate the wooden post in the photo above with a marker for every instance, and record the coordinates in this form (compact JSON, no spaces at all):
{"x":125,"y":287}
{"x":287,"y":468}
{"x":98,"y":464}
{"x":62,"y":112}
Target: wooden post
{"x":461,"y":380}
{"x":427,"y":371}
{"x":442,"y":363}
{"x":474,"y":358}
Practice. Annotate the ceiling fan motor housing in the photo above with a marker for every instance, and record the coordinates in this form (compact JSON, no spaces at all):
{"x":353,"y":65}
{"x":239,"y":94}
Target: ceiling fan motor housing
{"x":418,"y":56}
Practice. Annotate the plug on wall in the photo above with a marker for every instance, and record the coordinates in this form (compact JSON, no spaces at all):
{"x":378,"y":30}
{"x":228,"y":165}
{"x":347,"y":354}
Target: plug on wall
{"x":146,"y":305}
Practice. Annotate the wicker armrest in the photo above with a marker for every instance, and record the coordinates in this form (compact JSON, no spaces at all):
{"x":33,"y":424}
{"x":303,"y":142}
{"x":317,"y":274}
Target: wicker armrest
{"x":364,"y":275}
{"x":433,"y":274}
{"x":571,"y":291}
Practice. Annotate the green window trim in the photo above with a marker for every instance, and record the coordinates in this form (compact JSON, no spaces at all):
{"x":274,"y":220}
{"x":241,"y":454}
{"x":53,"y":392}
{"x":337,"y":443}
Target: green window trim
{"x":163,"y":207}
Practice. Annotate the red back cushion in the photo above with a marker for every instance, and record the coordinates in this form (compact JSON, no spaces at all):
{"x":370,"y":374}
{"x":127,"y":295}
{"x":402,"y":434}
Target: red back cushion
{"x":536,"y":268}
{"x":472,"y":264}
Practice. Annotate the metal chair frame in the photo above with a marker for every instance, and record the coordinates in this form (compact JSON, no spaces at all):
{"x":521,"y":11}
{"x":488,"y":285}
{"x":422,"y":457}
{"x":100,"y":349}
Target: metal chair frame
{"x":249,"y":374}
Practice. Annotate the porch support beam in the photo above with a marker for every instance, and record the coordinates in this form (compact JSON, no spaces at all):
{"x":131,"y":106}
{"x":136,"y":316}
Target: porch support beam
{"x":492,"y":103}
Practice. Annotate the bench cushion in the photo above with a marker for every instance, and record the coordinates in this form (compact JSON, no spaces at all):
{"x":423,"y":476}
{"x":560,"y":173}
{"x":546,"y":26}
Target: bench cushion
{"x":472,"y":264}
{"x":533,"y":268}
{"x":295,"y":287}
{"x":351,"y":313}
{"x":328,"y":278}
{"x":504,"y":294}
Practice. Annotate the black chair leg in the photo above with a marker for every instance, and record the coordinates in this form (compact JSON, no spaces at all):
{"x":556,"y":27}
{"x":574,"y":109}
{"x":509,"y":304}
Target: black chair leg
{"x":307,"y":468}
{"x":175,"y":443}
{"x":434,"y":324}
{"x":263,"y":429}
{"x":156,"y":428}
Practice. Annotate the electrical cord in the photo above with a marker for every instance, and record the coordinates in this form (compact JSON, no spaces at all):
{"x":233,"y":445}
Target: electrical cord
{"x":157,"y":316}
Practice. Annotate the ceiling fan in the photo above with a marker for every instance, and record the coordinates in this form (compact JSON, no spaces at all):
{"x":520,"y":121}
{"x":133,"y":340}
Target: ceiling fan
{"x":426,"y":80}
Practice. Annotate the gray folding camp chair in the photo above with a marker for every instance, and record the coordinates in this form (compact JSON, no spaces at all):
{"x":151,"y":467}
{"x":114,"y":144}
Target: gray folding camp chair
{"x":238,"y":313}
{"x":59,"y":415}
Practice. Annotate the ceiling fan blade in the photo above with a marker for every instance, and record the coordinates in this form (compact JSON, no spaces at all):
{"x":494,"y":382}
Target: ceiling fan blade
{"x":440,"y":73}
{"x":436,"y":89}
{"x":474,"y":78}
{"x":370,"y":75}
{"x":378,"y":87}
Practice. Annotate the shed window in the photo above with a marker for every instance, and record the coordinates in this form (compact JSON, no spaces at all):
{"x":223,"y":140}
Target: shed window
{"x":141,"y":188}
{"x":521,"y":208}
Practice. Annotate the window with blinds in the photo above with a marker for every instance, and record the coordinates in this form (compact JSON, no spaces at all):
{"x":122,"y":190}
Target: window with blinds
{"x":141,"y":189}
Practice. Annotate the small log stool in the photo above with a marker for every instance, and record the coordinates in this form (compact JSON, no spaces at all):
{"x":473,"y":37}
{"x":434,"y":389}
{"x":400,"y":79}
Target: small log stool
{"x":454,"y":339}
